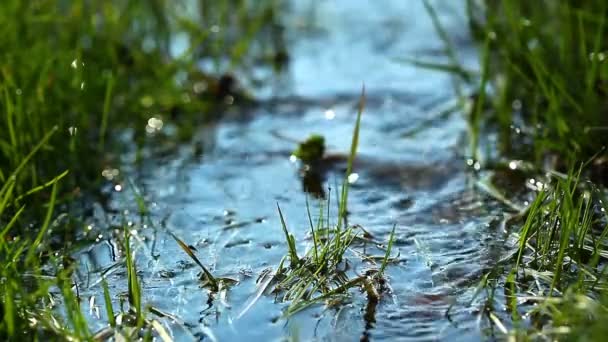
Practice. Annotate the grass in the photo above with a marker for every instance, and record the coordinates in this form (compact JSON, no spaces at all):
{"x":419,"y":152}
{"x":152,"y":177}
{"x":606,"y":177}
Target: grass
{"x":77,"y":69}
{"x":556,"y":282}
{"x":548,"y":104}
{"x":545,"y":66}
{"x":541,"y":91}
{"x":320,"y":275}
{"x":541,"y":64}
{"x":73,"y":77}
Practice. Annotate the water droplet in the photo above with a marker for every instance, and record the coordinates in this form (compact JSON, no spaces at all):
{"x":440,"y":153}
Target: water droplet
{"x":330,"y":114}
{"x":76,"y":64}
{"x":154,"y":125}
{"x":540,"y":186}
{"x":199,"y":87}
{"x":293,"y":158}
{"x":18,"y":92}
{"x":146,"y":101}
{"x":474,"y":164}
{"x":353,"y":177}
{"x":599,"y":56}
{"x":72,"y":130}
{"x":229,"y":100}
{"x":513,"y":165}
{"x":492,"y":35}
{"x":118,"y":187}
{"x":215,"y":29}
{"x":516,"y":104}
{"x":110,"y":173}
{"x":532,"y":44}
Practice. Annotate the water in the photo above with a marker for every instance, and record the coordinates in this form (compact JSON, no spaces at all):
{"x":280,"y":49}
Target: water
{"x":223,"y":201}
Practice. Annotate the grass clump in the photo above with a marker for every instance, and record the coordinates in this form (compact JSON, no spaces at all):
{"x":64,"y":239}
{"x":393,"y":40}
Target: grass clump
{"x":321,"y":274}
{"x":541,"y":86}
{"x":74,"y":76}
{"x":555,"y":284}
{"x":135,"y":322}
{"x":92,"y":69}
{"x":311,"y":150}
{"x":26,"y":303}
{"x":541,"y":91}
{"x":547,"y":76}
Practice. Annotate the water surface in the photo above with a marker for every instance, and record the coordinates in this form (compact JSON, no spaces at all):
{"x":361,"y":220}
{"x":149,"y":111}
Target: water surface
{"x":223,"y":201}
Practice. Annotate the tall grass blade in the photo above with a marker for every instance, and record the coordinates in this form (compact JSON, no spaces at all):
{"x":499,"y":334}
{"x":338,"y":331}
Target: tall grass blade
{"x":212,"y":281}
{"x":343,"y":207}
{"x":133,"y":281}
{"x":388,"y":250}
{"x":108,"y":303}
{"x":45,"y":226}
{"x":29,"y":156}
{"x":106,"y":112}
{"x":291,"y":242}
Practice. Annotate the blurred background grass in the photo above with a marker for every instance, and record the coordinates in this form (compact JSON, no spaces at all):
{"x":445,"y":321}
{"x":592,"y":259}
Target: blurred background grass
{"x":547,"y":76}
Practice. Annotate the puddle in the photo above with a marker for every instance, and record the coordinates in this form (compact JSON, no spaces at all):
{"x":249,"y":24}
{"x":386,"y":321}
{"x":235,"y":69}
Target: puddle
{"x":223,"y":202}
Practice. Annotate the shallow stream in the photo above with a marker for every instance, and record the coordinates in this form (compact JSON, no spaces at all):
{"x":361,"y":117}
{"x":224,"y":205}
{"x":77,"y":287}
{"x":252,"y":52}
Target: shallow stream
{"x":221,"y":197}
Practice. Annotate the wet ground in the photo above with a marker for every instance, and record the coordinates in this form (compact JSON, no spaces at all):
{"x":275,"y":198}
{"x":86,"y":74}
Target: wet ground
{"x":223,"y":200}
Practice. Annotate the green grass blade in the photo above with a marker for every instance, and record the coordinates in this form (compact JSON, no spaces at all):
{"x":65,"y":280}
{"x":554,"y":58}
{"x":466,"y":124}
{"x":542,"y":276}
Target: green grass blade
{"x":29,"y":156}
{"x":106,"y":112}
{"x":212,"y":280}
{"x":133,"y":281}
{"x":10,"y":224}
{"x":108,"y":303}
{"x":43,"y":186}
{"x":291,"y":244}
{"x":45,"y":226}
{"x":388,"y":250}
{"x":343,"y":207}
